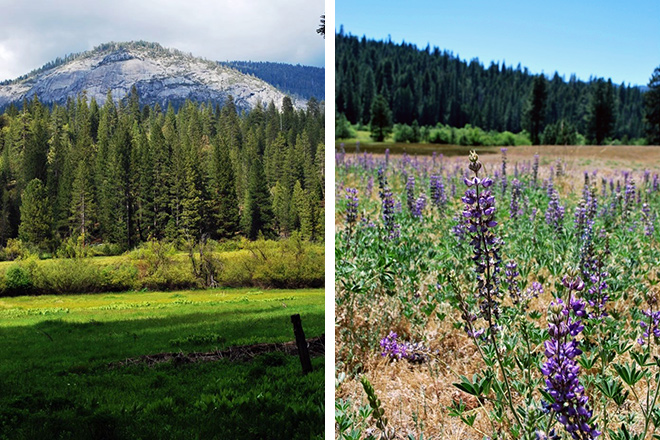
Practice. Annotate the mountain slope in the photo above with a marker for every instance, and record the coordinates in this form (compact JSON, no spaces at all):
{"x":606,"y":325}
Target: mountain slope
{"x":302,"y":81}
{"x":160,"y":75}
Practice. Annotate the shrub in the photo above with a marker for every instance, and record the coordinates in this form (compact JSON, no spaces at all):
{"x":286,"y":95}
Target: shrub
{"x":18,"y":280}
{"x":67,"y":276}
{"x":343,"y":129}
{"x":119,"y":277}
{"x":290,"y":263}
{"x":15,"y":250}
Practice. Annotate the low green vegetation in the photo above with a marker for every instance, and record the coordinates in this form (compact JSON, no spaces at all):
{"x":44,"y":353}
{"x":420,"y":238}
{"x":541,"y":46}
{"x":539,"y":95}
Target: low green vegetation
{"x":59,"y":373}
{"x":289,"y":263}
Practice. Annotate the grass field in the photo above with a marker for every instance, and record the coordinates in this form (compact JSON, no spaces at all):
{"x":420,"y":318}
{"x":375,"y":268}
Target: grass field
{"x":419,"y":280}
{"x":56,"y":381}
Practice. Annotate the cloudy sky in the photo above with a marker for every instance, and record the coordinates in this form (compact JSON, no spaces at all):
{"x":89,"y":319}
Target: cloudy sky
{"x":34,"y":32}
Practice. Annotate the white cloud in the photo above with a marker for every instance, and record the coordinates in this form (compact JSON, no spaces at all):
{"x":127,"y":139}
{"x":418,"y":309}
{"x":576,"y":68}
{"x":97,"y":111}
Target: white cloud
{"x":36,"y":32}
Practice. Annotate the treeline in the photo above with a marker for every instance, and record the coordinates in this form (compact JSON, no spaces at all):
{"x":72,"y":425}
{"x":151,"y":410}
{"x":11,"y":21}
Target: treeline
{"x":432,"y":86}
{"x":303,"y":81}
{"x":124,"y":174}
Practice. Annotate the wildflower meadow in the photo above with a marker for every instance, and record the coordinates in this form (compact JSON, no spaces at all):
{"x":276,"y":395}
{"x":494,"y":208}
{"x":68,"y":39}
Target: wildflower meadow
{"x":505,"y":294}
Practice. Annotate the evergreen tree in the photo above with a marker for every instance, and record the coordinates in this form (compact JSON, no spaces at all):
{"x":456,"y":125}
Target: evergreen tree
{"x":161,"y":178}
{"x":302,"y":212}
{"x":36,"y":216}
{"x":227,"y":213}
{"x":536,"y":109}
{"x":257,"y":215}
{"x":381,"y":119}
{"x":281,"y":208}
{"x":83,"y":208}
{"x":652,"y":109}
{"x":601,"y":112}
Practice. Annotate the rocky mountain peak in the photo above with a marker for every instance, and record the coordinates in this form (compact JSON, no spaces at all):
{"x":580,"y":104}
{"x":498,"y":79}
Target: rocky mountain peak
{"x":160,"y":75}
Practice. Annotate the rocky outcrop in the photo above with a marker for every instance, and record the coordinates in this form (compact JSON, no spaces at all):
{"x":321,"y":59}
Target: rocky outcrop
{"x":160,"y":76}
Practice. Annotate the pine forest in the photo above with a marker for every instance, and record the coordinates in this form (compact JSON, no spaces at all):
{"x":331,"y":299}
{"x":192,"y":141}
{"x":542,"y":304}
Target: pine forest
{"x":122,"y":174}
{"x":425,"y":87}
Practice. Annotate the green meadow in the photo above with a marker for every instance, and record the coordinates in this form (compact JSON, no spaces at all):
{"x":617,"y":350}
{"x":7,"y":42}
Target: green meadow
{"x":60,"y":377}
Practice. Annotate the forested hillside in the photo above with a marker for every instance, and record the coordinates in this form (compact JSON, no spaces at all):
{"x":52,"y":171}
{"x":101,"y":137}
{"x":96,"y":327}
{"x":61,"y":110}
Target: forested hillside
{"x":433,"y":86}
{"x":123,"y":173}
{"x":302,"y":81}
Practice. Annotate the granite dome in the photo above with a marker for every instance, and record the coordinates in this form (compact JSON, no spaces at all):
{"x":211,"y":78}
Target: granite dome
{"x":160,"y":75}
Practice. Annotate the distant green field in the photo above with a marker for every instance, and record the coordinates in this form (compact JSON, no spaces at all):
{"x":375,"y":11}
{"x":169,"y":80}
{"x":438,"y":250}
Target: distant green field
{"x":56,"y":382}
{"x":423,"y":149}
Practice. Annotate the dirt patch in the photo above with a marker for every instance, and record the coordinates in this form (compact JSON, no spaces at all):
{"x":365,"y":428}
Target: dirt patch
{"x":316,"y":347}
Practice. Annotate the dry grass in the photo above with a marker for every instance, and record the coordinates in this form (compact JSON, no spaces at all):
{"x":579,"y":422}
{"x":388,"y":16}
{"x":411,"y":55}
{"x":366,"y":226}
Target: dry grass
{"x":416,"y":396}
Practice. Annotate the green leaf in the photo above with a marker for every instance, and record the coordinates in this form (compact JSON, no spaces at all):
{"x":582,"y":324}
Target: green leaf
{"x":629,"y":373}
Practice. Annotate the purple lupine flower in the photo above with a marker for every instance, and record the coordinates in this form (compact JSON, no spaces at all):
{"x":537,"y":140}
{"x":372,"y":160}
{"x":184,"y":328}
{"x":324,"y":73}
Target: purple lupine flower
{"x":366,"y":223}
{"x":535,"y":170}
{"x":387,"y":200}
{"x":438,"y":195}
{"x":656,"y":182}
{"x":596,"y":293}
{"x":585,"y":187}
{"x":532,"y":216}
{"x":369,"y":188}
{"x":392,"y":348}
{"x":628,"y":199}
{"x":479,"y":212}
{"x":552,"y":435}
{"x":534,"y":290}
{"x":382,"y":180}
{"x":459,"y":230}
{"x":588,"y":262}
{"x":352,"y":202}
{"x":418,"y":208}
{"x":391,"y":227}
{"x":511,"y":273}
{"x":580,"y":214}
{"x":649,"y":328}
{"x":562,"y":371}
{"x":410,"y":192}
{"x":514,"y":207}
{"x":387,"y":157}
{"x":554,"y":215}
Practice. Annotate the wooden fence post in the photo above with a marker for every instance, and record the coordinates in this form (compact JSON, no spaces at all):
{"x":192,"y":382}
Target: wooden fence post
{"x":301,"y":342}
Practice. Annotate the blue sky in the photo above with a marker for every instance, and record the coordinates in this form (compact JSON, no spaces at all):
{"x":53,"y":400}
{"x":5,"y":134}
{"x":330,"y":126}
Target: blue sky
{"x":35,"y":32}
{"x":611,"y":39}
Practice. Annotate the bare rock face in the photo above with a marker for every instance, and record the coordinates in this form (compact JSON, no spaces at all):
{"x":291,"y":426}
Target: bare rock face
{"x":160,"y":76}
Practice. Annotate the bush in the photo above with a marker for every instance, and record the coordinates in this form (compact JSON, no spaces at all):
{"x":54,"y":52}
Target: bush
{"x":67,"y":276}
{"x":343,"y":129}
{"x":290,"y":263}
{"x":15,"y":250}
{"x":119,"y":277}
{"x":17,"y":280}
{"x":403,"y":133}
